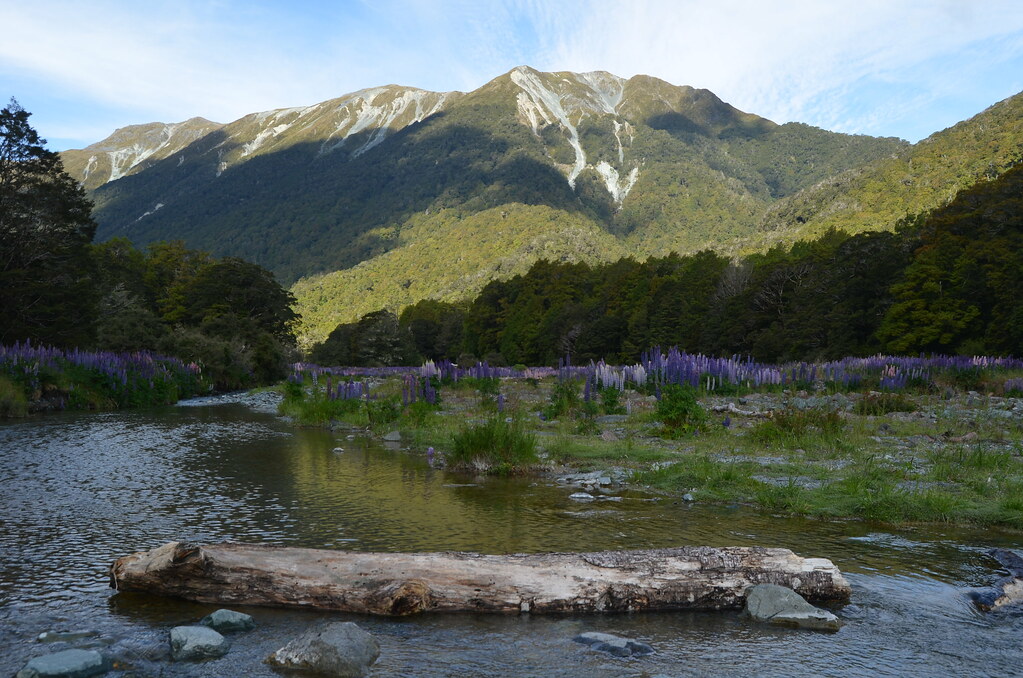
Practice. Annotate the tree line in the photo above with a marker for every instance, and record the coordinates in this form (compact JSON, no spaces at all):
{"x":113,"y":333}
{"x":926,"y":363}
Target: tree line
{"x":58,"y":288}
{"x":948,"y":281}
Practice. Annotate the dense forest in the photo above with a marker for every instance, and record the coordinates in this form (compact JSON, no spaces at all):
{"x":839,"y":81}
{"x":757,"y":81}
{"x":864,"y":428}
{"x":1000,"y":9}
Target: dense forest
{"x":948,"y":281}
{"x":59,"y":289}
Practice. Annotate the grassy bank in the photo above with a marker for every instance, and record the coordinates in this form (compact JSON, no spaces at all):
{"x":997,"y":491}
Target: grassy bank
{"x":38,"y":378}
{"x":925,"y":453}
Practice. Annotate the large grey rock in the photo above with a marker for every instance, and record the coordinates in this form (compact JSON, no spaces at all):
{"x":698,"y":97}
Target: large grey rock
{"x":192,"y":643}
{"x":392,"y":437}
{"x":66,"y":664}
{"x":780,"y":605}
{"x":339,"y":649}
{"x":226,"y":621}
{"x":616,"y":645}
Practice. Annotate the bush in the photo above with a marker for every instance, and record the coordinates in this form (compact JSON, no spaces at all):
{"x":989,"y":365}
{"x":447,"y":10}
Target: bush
{"x":494,"y":446}
{"x":679,"y":412}
{"x":884,"y":403}
{"x":564,"y":399}
{"x":798,"y":423}
{"x":611,"y":400}
{"x":12,"y":399}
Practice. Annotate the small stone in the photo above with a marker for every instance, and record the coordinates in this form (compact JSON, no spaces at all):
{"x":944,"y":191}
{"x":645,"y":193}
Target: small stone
{"x":688,"y":498}
{"x":392,"y":437}
{"x":226,"y":621}
{"x":780,"y":605}
{"x":581,"y":496}
{"x":338,"y":450}
{"x":340,"y":649}
{"x":612,"y":644}
{"x":66,"y":664}
{"x":192,"y":643}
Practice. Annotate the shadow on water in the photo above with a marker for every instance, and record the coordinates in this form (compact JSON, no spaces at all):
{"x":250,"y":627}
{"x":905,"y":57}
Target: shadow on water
{"x":78,"y":490}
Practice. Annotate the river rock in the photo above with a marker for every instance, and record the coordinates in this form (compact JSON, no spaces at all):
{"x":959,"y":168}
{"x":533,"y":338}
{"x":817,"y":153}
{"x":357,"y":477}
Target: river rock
{"x":612,"y":644}
{"x":392,"y":437}
{"x":581,"y":496}
{"x":1007,"y":591}
{"x":65,"y":636}
{"x":226,"y":621}
{"x":192,"y":643}
{"x":780,"y":605}
{"x":339,"y":649}
{"x":66,"y":664}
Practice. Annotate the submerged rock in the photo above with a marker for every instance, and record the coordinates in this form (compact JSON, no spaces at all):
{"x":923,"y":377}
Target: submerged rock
{"x":65,"y":636}
{"x":226,"y":621}
{"x":340,"y":649}
{"x":780,"y":605}
{"x":193,"y":643}
{"x":612,"y":644}
{"x":1007,"y":591}
{"x":66,"y":664}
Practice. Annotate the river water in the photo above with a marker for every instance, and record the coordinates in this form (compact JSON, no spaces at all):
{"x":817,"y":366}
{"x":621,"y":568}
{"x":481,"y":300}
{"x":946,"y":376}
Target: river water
{"x":78,"y":490}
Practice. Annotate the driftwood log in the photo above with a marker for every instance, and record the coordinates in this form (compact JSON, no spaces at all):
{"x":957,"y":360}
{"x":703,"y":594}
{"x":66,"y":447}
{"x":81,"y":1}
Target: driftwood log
{"x":689,"y":577}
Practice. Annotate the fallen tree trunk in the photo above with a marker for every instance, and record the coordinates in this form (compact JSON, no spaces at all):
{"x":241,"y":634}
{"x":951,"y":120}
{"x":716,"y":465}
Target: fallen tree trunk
{"x":689,"y":577}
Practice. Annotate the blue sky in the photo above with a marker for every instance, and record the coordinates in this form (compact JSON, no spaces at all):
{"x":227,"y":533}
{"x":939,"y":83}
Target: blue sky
{"x":902,"y":68}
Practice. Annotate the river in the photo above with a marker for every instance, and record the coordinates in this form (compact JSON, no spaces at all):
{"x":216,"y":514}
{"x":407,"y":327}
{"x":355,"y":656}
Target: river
{"x":78,"y":490}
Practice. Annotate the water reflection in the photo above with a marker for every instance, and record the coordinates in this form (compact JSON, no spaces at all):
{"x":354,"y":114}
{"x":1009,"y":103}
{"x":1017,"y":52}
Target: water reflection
{"x":78,"y":490}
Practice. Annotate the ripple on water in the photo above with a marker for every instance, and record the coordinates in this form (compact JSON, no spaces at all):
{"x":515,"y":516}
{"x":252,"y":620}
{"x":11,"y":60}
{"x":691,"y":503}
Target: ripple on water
{"x":78,"y":490}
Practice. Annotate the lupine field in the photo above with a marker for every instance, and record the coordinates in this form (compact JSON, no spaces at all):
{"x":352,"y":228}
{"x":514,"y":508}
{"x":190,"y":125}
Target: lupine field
{"x":41,"y":377}
{"x":888,"y":438}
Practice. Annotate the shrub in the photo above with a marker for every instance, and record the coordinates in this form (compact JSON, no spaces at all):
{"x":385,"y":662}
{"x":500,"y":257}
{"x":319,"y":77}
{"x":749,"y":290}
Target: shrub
{"x":12,"y":399}
{"x":679,"y":412}
{"x":495,"y":446}
{"x":798,"y":423}
{"x":611,"y":400}
{"x":564,"y":399}
{"x":884,"y":403}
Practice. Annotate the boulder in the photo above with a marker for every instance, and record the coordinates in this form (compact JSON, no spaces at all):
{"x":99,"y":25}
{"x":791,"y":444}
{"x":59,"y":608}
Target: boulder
{"x":193,"y":643}
{"x":780,"y":605}
{"x":226,"y":621}
{"x":340,"y":649}
{"x":392,"y":437}
{"x":1007,"y":591}
{"x":66,"y":664}
{"x":616,"y":645}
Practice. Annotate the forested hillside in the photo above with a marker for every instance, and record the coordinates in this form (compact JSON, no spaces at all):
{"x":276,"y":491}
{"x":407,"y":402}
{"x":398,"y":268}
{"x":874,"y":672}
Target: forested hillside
{"x":947,"y":281}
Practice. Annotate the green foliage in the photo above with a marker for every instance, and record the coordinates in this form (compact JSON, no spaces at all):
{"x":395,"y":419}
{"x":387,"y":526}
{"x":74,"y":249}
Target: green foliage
{"x":494,"y":446}
{"x":46,"y":287}
{"x":679,"y":412}
{"x":383,"y":411}
{"x":376,"y":340}
{"x":877,"y":404}
{"x":611,"y":400}
{"x":13,"y":402}
{"x":786,"y":425}
{"x":563,"y":400}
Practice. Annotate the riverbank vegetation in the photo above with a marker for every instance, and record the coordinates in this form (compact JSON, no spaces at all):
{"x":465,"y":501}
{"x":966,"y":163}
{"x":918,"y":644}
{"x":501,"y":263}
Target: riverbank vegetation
{"x":70,"y":306}
{"x":886,"y":438}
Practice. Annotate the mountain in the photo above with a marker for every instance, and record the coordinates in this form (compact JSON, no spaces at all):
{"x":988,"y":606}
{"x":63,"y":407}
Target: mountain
{"x":393,"y":194}
{"x":132,"y":149}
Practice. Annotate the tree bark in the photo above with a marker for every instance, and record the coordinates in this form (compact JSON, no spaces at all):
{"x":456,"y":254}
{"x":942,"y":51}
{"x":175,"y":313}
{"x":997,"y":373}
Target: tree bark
{"x":684,"y":578}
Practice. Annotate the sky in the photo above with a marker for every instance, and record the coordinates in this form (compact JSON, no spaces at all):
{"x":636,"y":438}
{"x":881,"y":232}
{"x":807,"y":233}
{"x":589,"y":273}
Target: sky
{"x":904,"y":68}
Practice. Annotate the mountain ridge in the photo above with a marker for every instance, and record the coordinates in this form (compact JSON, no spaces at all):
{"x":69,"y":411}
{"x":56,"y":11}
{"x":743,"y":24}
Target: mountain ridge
{"x":643,"y":166}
